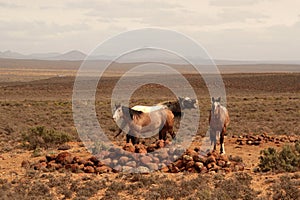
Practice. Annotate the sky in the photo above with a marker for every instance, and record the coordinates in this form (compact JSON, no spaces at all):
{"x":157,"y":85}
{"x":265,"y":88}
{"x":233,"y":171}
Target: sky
{"x":227,"y":29}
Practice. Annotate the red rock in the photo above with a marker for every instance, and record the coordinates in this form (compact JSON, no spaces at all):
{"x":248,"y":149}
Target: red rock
{"x":25,"y":164}
{"x":210,"y":159}
{"x":160,"y":144}
{"x":40,"y":166}
{"x":129,"y":147}
{"x":165,"y":169}
{"x":74,"y":168}
{"x":140,"y":148}
{"x":204,"y":170}
{"x":89,"y":169}
{"x":94,"y":160}
{"x":53,"y":165}
{"x":64,"y":158}
{"x":190,"y":164}
{"x":199,"y":165}
{"x":221,"y":163}
{"x":224,"y":158}
{"x":88,"y":163}
{"x":103,"y":169}
{"x":50,"y":157}
{"x":174,"y":169}
{"x":179,"y":164}
{"x":151,"y":148}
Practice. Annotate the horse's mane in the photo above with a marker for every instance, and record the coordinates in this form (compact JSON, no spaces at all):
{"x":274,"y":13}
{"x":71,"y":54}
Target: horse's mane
{"x":128,"y":111}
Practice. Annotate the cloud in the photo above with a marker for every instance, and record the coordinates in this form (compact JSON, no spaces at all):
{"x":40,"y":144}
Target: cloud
{"x":232,"y":3}
{"x":241,"y":15}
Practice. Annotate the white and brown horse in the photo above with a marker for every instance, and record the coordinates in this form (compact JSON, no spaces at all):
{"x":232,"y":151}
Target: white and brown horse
{"x":218,"y":121}
{"x":175,"y":106}
{"x":140,"y":122}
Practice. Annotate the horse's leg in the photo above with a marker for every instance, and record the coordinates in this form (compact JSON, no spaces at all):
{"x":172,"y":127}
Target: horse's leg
{"x":127,"y":138}
{"x":213,"y":138}
{"x":222,"y":135}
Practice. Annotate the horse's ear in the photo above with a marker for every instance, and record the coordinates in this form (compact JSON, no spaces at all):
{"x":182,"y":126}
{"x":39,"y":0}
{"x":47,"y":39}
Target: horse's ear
{"x":219,"y":99}
{"x":213,"y":99}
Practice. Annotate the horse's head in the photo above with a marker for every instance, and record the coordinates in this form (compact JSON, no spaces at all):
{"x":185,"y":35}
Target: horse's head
{"x":118,"y":113}
{"x":215,"y":106}
{"x":188,"y":103}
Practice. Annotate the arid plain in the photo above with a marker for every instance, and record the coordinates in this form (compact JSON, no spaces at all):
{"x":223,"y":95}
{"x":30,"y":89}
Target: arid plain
{"x":261,"y":99}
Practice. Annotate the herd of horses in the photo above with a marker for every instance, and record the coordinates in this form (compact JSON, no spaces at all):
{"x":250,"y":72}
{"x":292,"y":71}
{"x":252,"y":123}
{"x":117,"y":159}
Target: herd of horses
{"x":143,"y":119}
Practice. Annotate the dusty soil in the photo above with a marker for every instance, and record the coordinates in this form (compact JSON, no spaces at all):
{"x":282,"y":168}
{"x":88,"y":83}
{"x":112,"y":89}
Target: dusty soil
{"x":257,"y":103}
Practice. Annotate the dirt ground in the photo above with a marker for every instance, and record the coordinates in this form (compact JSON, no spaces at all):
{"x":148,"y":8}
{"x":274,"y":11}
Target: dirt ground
{"x":265,"y":103}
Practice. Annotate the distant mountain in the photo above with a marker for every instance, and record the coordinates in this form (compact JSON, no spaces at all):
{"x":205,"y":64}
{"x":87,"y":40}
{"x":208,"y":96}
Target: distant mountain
{"x":76,"y":55}
{"x":71,"y":55}
{"x":12,"y":54}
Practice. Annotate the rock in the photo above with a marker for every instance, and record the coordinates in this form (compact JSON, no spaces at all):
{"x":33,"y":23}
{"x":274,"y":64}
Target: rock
{"x":129,"y":147}
{"x":174,"y":169}
{"x":151,"y":148}
{"x":117,"y":168}
{"x":152,"y":166}
{"x":179,"y":164}
{"x":131,"y":164}
{"x":224,"y":158}
{"x":257,"y":143}
{"x":127,"y":169}
{"x":40,"y":166}
{"x":123,"y":160}
{"x":163,"y":155}
{"x":199,"y":165}
{"x":204,"y":170}
{"x":164,"y":168}
{"x":210,"y":159}
{"x":190,"y":164}
{"x":114,"y":162}
{"x":25,"y":164}
{"x":64,"y":147}
{"x":64,"y":158}
{"x":53,"y":165}
{"x":221,"y":163}
{"x":187,"y":158}
{"x":74,"y":168}
{"x":103,"y":169}
{"x":160,"y":144}
{"x":191,"y":153}
{"x":106,"y":161}
{"x":94,"y":159}
{"x":88,"y":163}
{"x":145,"y":160}
{"x":89,"y":169}
{"x":50,"y":157}
{"x":142,"y":170}
{"x":140,"y":148}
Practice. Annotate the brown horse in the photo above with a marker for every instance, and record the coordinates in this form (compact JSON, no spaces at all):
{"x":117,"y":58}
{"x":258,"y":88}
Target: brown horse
{"x":218,"y":120}
{"x":140,"y":122}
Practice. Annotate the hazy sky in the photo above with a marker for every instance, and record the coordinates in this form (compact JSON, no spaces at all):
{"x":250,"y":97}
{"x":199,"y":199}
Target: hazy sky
{"x":228,"y":29}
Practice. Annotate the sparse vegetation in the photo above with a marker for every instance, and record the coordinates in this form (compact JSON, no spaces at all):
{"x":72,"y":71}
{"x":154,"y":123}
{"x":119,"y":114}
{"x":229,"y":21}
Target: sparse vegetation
{"x":285,"y":160}
{"x":286,"y":188}
{"x":40,"y":137}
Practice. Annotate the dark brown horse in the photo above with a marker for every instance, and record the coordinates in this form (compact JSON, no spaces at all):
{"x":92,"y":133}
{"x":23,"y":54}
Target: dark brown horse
{"x":218,"y":121}
{"x":140,"y":122}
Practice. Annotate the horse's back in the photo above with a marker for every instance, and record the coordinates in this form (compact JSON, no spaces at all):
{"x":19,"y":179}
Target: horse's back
{"x":147,"y":109}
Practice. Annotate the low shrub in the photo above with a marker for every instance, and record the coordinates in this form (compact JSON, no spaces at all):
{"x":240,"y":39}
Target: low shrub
{"x":40,"y":137}
{"x":285,"y":160}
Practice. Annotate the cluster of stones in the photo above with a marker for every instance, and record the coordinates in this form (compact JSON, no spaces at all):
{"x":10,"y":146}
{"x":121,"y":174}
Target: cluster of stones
{"x":140,"y":158}
{"x":264,"y":138}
